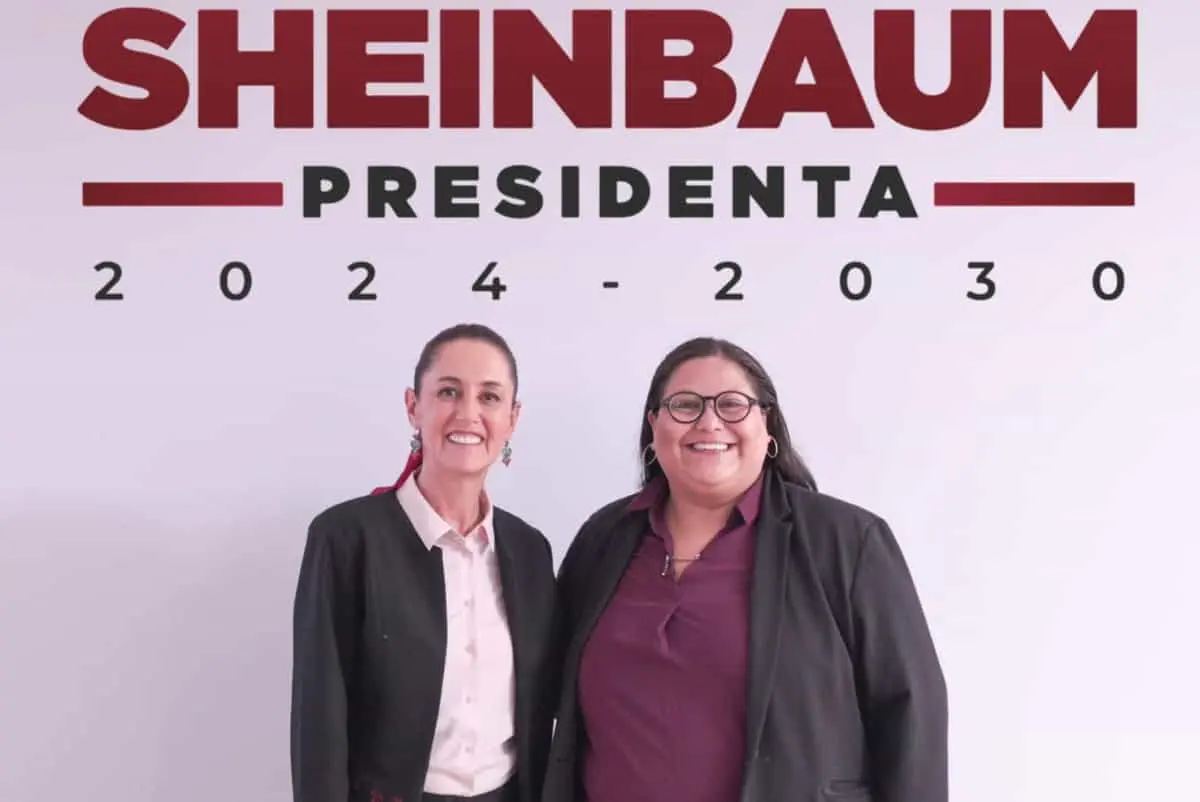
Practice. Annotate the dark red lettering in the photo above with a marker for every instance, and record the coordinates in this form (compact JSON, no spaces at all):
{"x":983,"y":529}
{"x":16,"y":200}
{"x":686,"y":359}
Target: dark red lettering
{"x":1105,"y":50}
{"x":581,"y":83}
{"x":222,"y":68}
{"x":459,"y":96}
{"x":965,"y":95}
{"x":351,"y":69}
{"x":648,"y":69}
{"x":165,"y":82}
{"x":806,"y":35}
{"x":578,"y":77}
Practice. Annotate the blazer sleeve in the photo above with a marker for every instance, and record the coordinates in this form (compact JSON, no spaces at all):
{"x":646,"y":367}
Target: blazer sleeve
{"x":324,"y":649}
{"x":902,"y":689}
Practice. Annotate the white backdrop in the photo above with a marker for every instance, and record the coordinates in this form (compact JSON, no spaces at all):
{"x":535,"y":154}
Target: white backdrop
{"x":161,"y":456}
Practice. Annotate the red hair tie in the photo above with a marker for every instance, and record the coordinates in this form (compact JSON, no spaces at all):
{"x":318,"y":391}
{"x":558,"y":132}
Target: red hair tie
{"x":414,"y":462}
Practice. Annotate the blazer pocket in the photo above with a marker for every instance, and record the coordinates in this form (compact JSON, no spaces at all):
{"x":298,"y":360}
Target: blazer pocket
{"x":848,"y":790}
{"x":366,"y":790}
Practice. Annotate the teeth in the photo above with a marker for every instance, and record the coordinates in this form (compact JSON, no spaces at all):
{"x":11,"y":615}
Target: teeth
{"x":709,"y":446}
{"x":465,"y":439}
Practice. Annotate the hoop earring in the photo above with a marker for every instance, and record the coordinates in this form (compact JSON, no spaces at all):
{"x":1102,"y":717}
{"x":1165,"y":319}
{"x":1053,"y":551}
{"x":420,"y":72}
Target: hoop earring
{"x":506,"y":454}
{"x":648,"y":459}
{"x":775,"y":453}
{"x":415,"y":443}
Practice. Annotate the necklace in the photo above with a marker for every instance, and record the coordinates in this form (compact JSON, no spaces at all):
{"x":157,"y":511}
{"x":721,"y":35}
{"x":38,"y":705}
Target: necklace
{"x":669,"y":561}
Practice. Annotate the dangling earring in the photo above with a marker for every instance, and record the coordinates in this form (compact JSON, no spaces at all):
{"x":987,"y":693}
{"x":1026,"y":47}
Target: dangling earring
{"x":415,"y":443}
{"x":506,"y":454}
{"x":648,"y":455}
{"x":772,"y":443}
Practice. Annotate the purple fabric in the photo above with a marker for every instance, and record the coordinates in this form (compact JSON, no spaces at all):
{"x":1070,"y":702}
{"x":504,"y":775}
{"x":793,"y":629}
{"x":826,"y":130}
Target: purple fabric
{"x":663,"y":679}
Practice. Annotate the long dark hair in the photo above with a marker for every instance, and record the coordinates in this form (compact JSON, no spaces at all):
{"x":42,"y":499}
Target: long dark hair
{"x":786,"y":461}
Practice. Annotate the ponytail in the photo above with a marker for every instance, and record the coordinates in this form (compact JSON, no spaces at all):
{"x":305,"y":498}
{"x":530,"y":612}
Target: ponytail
{"x":414,"y":462}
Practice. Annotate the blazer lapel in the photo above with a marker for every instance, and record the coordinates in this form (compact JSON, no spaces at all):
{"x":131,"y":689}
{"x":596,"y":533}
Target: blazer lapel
{"x":415,"y":567}
{"x":601,"y":583}
{"x":771,"y":548}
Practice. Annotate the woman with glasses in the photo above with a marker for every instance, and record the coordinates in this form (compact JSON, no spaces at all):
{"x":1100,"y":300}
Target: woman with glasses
{"x":729,"y":634}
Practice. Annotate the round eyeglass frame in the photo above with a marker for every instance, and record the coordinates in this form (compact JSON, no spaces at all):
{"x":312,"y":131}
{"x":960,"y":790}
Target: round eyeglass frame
{"x":705,"y":400}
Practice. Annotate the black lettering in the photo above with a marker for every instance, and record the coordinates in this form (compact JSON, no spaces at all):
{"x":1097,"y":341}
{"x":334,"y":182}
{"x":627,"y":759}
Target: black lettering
{"x":826,"y":177}
{"x":726,"y":292}
{"x":107,"y":292}
{"x":323,"y":185}
{"x":844,"y":281}
{"x":390,"y":187}
{"x":570,"y":191}
{"x":245,"y":279}
{"x":888,"y":193}
{"x":495,"y":286}
{"x":988,"y":284}
{"x":681,"y":191}
{"x":448,"y":188}
{"x":622,"y":191}
{"x":768,"y":195}
{"x":611,"y":179}
{"x":517,"y":182}
{"x":359,"y":293}
{"x":1118,"y":288}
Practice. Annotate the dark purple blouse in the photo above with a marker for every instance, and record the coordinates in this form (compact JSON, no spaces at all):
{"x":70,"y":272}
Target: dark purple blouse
{"x":662,"y":682}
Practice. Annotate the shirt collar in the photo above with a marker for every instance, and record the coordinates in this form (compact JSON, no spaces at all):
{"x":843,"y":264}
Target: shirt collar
{"x":432,"y":527}
{"x":653,"y":498}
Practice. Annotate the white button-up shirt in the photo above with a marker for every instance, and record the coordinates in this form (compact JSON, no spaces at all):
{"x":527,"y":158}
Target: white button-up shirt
{"x":474,"y":746}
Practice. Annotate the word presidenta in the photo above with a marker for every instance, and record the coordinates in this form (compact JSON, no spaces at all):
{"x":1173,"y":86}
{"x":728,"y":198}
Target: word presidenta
{"x":619,"y":191}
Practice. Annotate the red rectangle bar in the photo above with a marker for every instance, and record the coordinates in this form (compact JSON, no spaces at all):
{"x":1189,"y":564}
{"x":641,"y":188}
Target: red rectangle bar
{"x":1033,"y":193}
{"x":182,"y":193}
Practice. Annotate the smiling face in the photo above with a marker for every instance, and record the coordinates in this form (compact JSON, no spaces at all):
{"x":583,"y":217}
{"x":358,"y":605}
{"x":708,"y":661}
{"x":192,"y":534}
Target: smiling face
{"x":710,"y":456}
{"x":465,"y":409}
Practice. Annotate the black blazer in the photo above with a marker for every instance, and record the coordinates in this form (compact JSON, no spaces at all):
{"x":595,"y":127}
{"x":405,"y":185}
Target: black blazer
{"x":369,"y":647}
{"x":846,"y":697}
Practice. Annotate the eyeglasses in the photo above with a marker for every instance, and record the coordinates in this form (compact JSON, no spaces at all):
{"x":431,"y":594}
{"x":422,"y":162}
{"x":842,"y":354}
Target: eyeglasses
{"x":730,"y":406}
